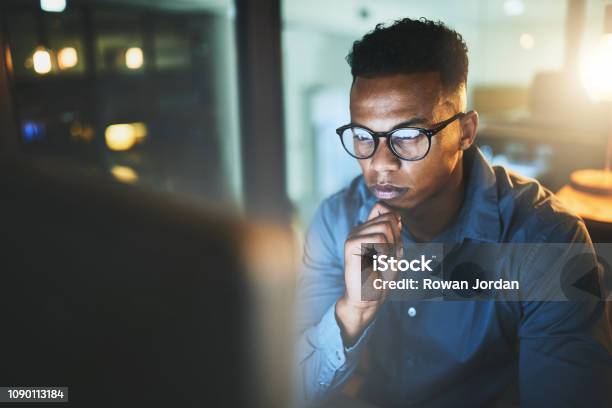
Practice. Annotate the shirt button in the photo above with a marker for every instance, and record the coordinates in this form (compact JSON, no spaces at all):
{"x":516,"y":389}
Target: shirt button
{"x":412,"y":312}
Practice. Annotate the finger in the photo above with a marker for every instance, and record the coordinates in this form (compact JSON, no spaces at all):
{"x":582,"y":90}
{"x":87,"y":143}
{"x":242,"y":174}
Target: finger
{"x":387,"y":217}
{"x":388,"y":227}
{"x":381,"y":210}
{"x":354,"y":244}
{"x":385,"y":212}
{"x":378,"y":209}
{"x":396,"y":226}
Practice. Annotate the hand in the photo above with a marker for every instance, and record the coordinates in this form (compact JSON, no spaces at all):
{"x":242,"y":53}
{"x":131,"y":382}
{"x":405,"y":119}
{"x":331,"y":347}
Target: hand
{"x":383,"y":226}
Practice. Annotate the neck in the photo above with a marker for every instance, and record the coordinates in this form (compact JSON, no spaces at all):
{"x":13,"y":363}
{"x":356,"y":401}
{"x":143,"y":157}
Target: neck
{"x":439,"y":211}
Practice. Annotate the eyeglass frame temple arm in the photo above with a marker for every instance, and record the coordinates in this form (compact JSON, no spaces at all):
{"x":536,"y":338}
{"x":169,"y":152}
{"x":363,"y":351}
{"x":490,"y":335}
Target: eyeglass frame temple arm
{"x":429,"y":132}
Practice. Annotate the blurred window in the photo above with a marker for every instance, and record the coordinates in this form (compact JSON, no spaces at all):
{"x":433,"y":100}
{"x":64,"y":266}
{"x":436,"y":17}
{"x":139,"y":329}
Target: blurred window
{"x":120,"y":40}
{"x":172,"y":46}
{"x":144,"y":92}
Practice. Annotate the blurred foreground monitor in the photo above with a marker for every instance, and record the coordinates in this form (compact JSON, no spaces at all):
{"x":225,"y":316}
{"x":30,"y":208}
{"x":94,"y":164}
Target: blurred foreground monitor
{"x":129,"y":299}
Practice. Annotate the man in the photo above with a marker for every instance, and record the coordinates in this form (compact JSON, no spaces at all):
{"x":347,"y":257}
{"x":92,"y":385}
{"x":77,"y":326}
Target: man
{"x":424,"y":181}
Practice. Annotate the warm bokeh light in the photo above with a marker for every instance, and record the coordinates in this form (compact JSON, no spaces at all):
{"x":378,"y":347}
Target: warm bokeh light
{"x":124,"y":174}
{"x":56,"y":6}
{"x":589,"y":194}
{"x":87,"y":133}
{"x":140,"y":131}
{"x":596,"y":70}
{"x":526,"y":41}
{"x":8,"y":57}
{"x":134,"y":58}
{"x":42,"y":62}
{"x":67,"y":58}
{"x":120,"y":137}
{"x":124,"y":136}
{"x":81,"y":132}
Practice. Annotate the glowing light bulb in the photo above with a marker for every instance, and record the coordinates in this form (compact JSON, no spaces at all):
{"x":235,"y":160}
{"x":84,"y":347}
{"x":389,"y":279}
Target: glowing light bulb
{"x":596,"y":70}
{"x":124,"y":174}
{"x":120,"y":137}
{"x":134,"y":58}
{"x":140,"y":131}
{"x":42,"y":62}
{"x":124,"y":136}
{"x":54,"y":6}
{"x":67,"y":58}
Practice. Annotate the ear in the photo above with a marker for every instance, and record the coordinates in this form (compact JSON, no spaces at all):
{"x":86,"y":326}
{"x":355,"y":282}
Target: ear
{"x":469,"y":126}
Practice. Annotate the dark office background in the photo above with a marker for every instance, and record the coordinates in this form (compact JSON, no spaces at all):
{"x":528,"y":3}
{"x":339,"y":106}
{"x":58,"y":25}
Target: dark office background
{"x":234,"y":104}
{"x":229,"y":107}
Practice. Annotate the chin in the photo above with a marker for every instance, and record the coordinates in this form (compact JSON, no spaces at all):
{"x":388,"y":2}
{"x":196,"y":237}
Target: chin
{"x":404,"y":202}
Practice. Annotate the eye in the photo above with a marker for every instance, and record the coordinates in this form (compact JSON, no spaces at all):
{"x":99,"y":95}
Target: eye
{"x":358,"y":142}
{"x":361,"y":135}
{"x":410,"y":143}
{"x":406,"y":135}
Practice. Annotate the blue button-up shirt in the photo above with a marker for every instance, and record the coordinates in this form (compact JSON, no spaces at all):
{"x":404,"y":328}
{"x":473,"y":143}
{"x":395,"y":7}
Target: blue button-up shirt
{"x":465,"y":353}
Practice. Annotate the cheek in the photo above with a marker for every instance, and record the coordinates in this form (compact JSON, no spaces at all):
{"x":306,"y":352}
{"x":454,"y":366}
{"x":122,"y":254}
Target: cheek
{"x":366,"y":170}
{"x":433,"y":169}
{"x":418,"y":173}
{"x":445,"y":145}
{"x":365,"y":165}
{"x":445,"y":152}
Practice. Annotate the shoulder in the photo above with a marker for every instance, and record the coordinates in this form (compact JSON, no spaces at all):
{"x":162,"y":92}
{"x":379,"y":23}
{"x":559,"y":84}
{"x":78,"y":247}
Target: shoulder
{"x":345,"y":203}
{"x":336,"y":216}
{"x":530,"y":212}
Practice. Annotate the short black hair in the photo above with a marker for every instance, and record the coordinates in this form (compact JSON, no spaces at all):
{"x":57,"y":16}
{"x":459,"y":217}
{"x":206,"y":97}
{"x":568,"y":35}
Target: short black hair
{"x":411,"y":46}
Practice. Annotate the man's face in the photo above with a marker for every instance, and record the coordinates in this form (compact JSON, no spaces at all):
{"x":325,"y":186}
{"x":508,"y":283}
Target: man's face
{"x":380,"y":104}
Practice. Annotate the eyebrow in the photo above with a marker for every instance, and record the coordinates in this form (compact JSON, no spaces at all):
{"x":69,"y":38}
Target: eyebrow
{"x":413,"y":121}
{"x":407,"y":123}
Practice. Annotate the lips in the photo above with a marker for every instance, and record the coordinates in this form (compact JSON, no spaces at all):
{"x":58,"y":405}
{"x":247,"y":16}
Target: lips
{"x":387,"y":191}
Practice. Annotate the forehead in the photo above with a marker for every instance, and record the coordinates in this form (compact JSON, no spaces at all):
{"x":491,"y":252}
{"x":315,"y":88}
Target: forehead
{"x":398,"y":96}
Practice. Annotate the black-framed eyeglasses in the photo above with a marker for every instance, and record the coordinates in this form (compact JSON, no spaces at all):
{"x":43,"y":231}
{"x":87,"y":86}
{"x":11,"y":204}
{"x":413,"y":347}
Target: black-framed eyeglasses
{"x":407,"y":143}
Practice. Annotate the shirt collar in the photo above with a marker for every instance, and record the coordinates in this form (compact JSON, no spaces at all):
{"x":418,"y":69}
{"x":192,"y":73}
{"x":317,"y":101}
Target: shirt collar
{"x":479,"y":216}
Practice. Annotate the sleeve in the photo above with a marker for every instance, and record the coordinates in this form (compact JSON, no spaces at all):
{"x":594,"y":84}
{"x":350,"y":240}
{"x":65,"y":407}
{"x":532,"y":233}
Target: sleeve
{"x":323,"y":364}
{"x":564,"y":355}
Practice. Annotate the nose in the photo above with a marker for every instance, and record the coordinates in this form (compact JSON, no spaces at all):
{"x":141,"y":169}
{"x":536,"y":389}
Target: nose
{"x":384,"y":161}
